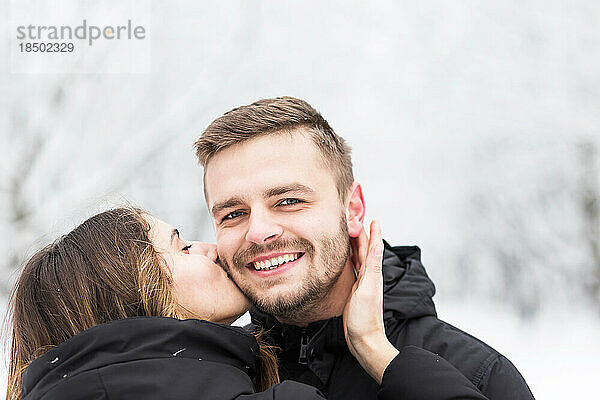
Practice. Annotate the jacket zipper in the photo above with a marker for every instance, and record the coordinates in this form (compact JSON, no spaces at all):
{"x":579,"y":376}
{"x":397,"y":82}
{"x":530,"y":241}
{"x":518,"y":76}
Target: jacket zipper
{"x":303,"y":359}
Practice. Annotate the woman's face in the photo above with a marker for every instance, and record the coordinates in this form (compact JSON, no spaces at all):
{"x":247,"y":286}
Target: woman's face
{"x":200,"y":286}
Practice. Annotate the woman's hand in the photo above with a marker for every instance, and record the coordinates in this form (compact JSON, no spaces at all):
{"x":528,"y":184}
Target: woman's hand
{"x":363,"y":314}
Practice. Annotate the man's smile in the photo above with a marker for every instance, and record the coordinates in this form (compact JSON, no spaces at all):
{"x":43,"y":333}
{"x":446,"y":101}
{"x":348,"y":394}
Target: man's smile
{"x":274,"y":263}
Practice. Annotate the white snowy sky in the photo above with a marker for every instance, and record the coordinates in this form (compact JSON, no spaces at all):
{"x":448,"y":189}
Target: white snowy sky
{"x":467,"y":121}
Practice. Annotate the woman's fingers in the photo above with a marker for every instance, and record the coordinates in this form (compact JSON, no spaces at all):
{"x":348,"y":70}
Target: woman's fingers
{"x":363,"y":314}
{"x":360,"y":246}
{"x":363,"y":241}
{"x":375,"y":256}
{"x":354,"y":258}
{"x":369,"y":249}
{"x":370,"y":276}
{"x":363,"y":247}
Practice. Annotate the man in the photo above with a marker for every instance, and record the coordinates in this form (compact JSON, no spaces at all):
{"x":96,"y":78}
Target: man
{"x":278,"y":182}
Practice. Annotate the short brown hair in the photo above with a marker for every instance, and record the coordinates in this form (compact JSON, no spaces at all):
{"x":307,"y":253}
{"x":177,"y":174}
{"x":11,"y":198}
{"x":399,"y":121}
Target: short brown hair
{"x":273,"y":116}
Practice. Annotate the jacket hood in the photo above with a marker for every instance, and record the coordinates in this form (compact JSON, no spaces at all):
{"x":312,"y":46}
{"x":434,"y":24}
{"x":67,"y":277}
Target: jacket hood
{"x":407,"y":290}
{"x":140,"y":338}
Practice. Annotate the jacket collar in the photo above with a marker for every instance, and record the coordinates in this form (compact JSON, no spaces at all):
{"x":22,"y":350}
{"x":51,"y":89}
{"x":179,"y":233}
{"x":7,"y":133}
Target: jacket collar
{"x":141,"y":338}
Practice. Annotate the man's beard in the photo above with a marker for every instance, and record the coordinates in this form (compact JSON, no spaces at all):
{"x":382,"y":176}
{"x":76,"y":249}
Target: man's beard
{"x":334,"y":252}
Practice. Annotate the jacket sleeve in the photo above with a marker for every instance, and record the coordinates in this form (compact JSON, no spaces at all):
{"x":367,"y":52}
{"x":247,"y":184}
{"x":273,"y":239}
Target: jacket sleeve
{"x":286,"y":390}
{"x":418,"y":374}
{"x":503,"y":381}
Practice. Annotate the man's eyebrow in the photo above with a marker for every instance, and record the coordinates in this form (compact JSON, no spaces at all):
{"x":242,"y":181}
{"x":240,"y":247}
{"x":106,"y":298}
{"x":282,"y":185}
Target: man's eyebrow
{"x":174,"y":233}
{"x":232,"y":202}
{"x":294,"y":187}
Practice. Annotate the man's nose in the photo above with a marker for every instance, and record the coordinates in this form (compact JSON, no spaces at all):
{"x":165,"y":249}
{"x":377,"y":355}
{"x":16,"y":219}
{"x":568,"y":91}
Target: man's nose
{"x":262,"y":229}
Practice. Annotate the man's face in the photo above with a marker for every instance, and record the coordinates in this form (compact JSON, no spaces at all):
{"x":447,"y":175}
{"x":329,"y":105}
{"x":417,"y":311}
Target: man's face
{"x":281,"y":227}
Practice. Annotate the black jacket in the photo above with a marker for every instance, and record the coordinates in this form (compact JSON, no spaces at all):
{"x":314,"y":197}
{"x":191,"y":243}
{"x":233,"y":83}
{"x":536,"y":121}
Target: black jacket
{"x":154,"y":358}
{"x":164,"y":358}
{"x":318,"y":354}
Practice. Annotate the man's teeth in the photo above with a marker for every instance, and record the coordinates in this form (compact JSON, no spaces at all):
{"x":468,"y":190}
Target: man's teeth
{"x":275,"y":262}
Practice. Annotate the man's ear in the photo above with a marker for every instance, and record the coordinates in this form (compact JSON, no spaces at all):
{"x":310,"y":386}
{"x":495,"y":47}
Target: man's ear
{"x":355,"y":210}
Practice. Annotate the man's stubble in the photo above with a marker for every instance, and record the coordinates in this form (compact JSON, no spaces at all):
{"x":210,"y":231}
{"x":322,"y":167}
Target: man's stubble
{"x":334,"y":252}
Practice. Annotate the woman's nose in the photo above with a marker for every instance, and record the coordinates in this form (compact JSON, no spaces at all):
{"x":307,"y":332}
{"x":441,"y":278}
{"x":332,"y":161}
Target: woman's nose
{"x":206,"y":249}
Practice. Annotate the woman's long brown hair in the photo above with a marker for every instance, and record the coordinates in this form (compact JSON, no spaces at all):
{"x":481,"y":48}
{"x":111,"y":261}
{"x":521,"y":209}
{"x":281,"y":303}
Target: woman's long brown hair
{"x":104,"y":270}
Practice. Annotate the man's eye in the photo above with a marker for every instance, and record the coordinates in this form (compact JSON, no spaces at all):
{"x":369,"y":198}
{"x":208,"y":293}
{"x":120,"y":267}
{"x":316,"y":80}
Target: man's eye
{"x":186,"y":248}
{"x":232,"y":215}
{"x":289,"y":202}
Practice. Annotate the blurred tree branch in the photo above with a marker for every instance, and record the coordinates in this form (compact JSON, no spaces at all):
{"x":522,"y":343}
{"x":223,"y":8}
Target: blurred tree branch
{"x":590,"y":207}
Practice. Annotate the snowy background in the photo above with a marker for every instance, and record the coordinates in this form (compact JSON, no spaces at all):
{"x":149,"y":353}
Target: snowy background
{"x":475,"y":129}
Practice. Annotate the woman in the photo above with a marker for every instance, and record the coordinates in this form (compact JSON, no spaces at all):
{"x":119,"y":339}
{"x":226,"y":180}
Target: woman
{"x":122,"y":307}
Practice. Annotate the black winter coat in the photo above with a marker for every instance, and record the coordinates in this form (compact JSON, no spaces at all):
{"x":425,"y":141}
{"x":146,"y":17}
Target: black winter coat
{"x":164,"y":358}
{"x":318,"y":354}
{"x":154,"y":358}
